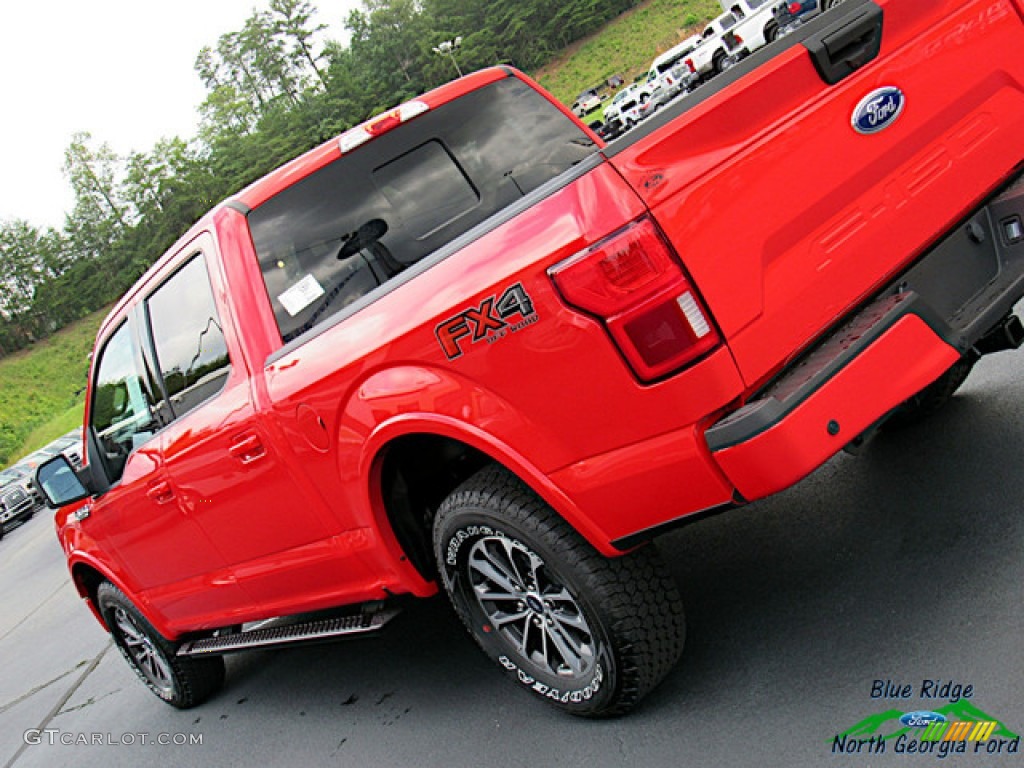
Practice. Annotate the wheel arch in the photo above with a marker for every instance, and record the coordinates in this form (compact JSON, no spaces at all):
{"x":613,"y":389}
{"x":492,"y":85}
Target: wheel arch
{"x":87,"y":577}
{"x":417,"y":460}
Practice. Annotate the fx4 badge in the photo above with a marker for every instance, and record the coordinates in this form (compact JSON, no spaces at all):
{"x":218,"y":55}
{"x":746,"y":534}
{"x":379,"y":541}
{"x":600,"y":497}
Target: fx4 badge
{"x":492,"y":320}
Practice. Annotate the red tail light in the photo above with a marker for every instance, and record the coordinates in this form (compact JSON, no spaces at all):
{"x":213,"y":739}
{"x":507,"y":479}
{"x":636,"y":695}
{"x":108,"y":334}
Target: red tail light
{"x":634,"y":284}
{"x":794,"y":8}
{"x":689,"y":63}
{"x":738,"y":39}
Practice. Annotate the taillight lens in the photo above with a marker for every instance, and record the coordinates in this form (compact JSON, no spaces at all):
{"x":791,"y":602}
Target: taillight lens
{"x":689,"y":63}
{"x":794,"y":8}
{"x":632,"y":282}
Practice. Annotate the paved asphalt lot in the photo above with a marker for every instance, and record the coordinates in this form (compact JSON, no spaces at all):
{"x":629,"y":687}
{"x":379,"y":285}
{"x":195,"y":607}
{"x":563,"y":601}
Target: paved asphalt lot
{"x":903,"y":564}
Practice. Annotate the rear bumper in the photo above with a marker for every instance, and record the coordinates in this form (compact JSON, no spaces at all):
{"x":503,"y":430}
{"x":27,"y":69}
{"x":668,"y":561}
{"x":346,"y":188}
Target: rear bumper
{"x":768,"y":446}
{"x":935,"y":313}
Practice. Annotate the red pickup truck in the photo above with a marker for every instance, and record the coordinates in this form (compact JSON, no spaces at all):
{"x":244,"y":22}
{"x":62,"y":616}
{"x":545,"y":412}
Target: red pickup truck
{"x":468,"y":347}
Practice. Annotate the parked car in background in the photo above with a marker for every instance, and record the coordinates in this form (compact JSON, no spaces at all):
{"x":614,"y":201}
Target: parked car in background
{"x":586,"y":103}
{"x":669,"y":75}
{"x":624,"y":112}
{"x":16,"y":499}
{"x":756,"y":23}
{"x":718,"y":50}
{"x":793,"y":14}
{"x":678,"y":81}
{"x":70,"y":444}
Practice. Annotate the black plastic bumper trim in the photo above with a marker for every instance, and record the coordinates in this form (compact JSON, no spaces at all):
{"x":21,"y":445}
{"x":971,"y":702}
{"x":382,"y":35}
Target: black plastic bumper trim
{"x":634,"y":540}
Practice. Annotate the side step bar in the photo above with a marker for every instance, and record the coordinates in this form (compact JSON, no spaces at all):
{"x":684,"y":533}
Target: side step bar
{"x":289,"y":634}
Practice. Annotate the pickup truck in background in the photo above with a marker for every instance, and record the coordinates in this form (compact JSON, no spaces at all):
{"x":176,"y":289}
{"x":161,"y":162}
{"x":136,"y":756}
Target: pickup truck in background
{"x":744,"y":27}
{"x":469,"y":348}
{"x":756,"y":21}
{"x":719,"y":48}
{"x":624,"y":111}
{"x":669,"y":74}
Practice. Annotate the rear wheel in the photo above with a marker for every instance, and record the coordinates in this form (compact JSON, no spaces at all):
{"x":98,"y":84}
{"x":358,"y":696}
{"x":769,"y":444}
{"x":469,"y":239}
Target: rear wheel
{"x":181,"y":682}
{"x":588,"y":634}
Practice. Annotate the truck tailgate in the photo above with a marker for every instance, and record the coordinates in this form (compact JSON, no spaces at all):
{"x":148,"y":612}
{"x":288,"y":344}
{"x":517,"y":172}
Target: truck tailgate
{"x":785,"y":215}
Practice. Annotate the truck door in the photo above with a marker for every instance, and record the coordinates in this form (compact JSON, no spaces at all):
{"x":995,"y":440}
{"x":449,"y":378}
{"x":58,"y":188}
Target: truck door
{"x":223,"y":469}
{"x":158,"y":553}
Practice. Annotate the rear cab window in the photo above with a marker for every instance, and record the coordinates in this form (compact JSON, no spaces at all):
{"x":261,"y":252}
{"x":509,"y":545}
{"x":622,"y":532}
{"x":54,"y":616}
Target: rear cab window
{"x":344,"y":231}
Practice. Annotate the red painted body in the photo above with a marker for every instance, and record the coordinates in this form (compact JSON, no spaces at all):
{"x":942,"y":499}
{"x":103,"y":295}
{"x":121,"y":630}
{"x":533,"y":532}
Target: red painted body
{"x":266,"y":500}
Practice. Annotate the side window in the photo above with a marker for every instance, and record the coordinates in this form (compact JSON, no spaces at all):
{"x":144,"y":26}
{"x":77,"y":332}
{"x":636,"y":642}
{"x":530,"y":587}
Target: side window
{"x":191,"y":354}
{"x":122,"y":411}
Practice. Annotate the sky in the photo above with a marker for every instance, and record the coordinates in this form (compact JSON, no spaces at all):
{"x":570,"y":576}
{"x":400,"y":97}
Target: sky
{"x":120,"y":69}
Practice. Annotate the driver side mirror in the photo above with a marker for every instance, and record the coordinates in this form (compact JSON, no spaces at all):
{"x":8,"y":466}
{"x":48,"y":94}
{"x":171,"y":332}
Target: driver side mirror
{"x":60,"y":485}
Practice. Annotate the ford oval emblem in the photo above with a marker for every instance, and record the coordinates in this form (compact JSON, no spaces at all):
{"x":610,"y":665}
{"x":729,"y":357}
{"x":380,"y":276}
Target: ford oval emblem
{"x":921,"y":719}
{"x":878,"y":110}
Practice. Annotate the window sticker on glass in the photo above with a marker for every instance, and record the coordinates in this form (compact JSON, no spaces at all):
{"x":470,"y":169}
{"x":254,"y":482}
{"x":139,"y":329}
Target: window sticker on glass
{"x":301,"y":295}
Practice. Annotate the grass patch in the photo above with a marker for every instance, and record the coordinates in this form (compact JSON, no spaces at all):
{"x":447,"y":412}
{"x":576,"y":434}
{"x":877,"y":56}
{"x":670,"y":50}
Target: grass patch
{"x":625,"y":46}
{"x":42,"y":389}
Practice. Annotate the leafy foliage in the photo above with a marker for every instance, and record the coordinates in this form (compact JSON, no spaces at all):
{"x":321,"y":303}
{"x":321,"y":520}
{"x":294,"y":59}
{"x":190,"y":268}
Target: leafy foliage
{"x":35,"y":386}
{"x":275,"y":89}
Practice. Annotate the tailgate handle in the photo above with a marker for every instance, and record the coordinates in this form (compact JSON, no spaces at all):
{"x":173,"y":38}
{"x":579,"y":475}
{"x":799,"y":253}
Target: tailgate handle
{"x":850,"y":42}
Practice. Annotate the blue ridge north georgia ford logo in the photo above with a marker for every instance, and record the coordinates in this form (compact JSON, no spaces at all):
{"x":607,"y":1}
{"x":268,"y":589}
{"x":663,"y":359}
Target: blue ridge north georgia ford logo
{"x":878,"y":110}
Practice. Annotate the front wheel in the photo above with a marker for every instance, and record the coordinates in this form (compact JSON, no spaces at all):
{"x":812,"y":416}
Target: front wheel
{"x":588,"y":634}
{"x":181,"y":682}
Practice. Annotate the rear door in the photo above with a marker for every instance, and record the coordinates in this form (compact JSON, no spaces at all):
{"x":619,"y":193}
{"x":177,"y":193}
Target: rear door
{"x":225,"y":473}
{"x":786,"y":213}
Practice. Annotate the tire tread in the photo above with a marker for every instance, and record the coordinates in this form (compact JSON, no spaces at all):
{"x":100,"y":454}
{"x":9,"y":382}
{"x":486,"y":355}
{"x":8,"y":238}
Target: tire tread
{"x":635,"y":591}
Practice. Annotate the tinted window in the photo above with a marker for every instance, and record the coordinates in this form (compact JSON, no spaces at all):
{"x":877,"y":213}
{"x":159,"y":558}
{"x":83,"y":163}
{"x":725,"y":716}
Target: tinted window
{"x":122,"y":411}
{"x":340,"y":233}
{"x":188,"y":338}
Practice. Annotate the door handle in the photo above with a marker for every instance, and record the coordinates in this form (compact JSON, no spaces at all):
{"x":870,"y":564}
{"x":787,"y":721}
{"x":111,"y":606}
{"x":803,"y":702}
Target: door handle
{"x":161,"y":492}
{"x":247,"y":449}
{"x":846,"y":45}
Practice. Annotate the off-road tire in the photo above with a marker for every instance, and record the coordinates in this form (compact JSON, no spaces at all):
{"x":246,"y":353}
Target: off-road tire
{"x":620,"y":618}
{"x":181,"y":682}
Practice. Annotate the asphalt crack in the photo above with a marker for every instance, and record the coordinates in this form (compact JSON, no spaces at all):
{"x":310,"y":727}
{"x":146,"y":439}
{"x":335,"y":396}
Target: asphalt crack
{"x":41,"y":687}
{"x":63,"y":699}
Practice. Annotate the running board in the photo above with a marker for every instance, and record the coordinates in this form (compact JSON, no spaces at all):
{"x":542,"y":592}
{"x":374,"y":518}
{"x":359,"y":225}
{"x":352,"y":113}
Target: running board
{"x":288,"y":634}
